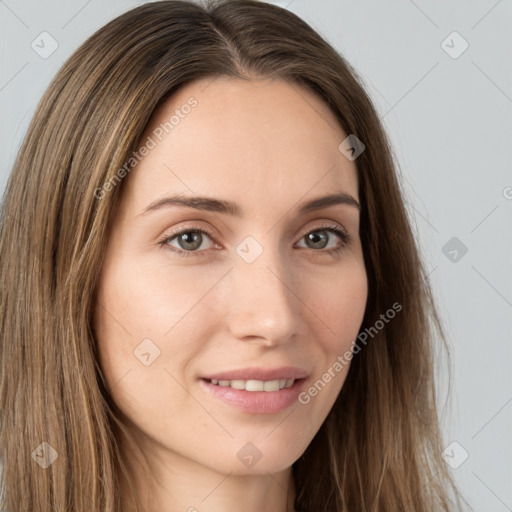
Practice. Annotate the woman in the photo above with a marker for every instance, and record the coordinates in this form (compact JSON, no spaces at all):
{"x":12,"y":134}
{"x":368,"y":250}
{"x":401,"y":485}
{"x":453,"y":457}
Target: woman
{"x":211,"y":297}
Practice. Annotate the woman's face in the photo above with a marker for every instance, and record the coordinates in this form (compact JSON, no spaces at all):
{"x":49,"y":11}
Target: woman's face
{"x":199,"y":332}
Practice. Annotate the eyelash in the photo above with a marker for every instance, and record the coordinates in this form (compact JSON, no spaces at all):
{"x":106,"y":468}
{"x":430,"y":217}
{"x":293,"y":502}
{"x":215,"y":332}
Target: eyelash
{"x":333,"y":228}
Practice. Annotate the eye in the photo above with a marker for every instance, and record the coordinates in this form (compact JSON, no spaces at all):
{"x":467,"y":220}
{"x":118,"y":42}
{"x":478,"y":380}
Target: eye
{"x":319,"y":239}
{"x":189,"y":240}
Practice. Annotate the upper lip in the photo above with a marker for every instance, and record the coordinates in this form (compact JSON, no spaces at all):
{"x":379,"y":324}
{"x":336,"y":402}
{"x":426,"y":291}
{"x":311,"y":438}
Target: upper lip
{"x":264,"y":374}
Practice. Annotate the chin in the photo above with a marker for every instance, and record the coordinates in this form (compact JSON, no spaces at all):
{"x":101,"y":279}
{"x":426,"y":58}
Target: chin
{"x":270,"y":455}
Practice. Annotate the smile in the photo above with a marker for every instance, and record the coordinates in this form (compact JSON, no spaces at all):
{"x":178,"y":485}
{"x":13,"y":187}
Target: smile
{"x":255,"y":385}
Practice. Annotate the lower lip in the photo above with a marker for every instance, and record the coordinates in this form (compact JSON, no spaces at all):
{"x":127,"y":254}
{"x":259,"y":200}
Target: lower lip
{"x":256,"y":402}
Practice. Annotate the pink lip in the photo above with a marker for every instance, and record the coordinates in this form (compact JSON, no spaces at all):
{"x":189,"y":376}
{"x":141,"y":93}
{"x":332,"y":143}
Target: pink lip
{"x":285,"y":372}
{"x":255,"y":402}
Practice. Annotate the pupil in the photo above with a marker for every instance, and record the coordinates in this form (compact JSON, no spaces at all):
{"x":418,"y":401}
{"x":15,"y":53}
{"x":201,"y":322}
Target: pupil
{"x":191,"y":238}
{"x":322,"y":238}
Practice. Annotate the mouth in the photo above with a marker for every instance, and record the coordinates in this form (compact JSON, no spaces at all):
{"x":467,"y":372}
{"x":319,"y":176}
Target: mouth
{"x":252,"y":385}
{"x":256,"y":391}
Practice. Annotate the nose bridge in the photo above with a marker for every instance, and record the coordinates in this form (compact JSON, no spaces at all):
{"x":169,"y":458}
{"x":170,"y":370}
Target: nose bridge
{"x":262,"y":297}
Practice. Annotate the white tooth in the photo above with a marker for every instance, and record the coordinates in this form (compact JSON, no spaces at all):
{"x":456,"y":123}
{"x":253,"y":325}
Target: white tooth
{"x":254,"y":385}
{"x":271,"y":385}
{"x":238,"y":384}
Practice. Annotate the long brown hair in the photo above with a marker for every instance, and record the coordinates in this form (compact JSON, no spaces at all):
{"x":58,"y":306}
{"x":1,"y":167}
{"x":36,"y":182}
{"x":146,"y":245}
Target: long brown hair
{"x":379,"y":448}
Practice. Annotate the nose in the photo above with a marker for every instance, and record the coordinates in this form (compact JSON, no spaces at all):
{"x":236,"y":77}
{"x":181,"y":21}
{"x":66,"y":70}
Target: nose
{"x":263,"y":299}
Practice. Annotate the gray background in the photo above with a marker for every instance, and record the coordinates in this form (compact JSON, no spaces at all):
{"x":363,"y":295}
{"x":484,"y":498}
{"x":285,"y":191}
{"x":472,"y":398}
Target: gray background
{"x":450,"y":120}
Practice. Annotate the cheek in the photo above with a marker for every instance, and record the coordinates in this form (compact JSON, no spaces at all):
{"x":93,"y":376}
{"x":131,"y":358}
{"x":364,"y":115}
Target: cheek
{"x":145,"y":300}
{"x":339,"y":304}
{"x":135,"y":319}
{"x":138,"y":302}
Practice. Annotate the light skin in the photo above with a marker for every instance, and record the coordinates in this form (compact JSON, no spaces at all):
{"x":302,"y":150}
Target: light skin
{"x":270,"y":147}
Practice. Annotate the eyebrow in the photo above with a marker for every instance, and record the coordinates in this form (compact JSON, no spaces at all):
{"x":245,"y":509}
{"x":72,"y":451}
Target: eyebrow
{"x":228,"y":207}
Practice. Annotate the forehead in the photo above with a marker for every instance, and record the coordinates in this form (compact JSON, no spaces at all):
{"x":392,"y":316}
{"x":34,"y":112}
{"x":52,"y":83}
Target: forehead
{"x":226,"y":137}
